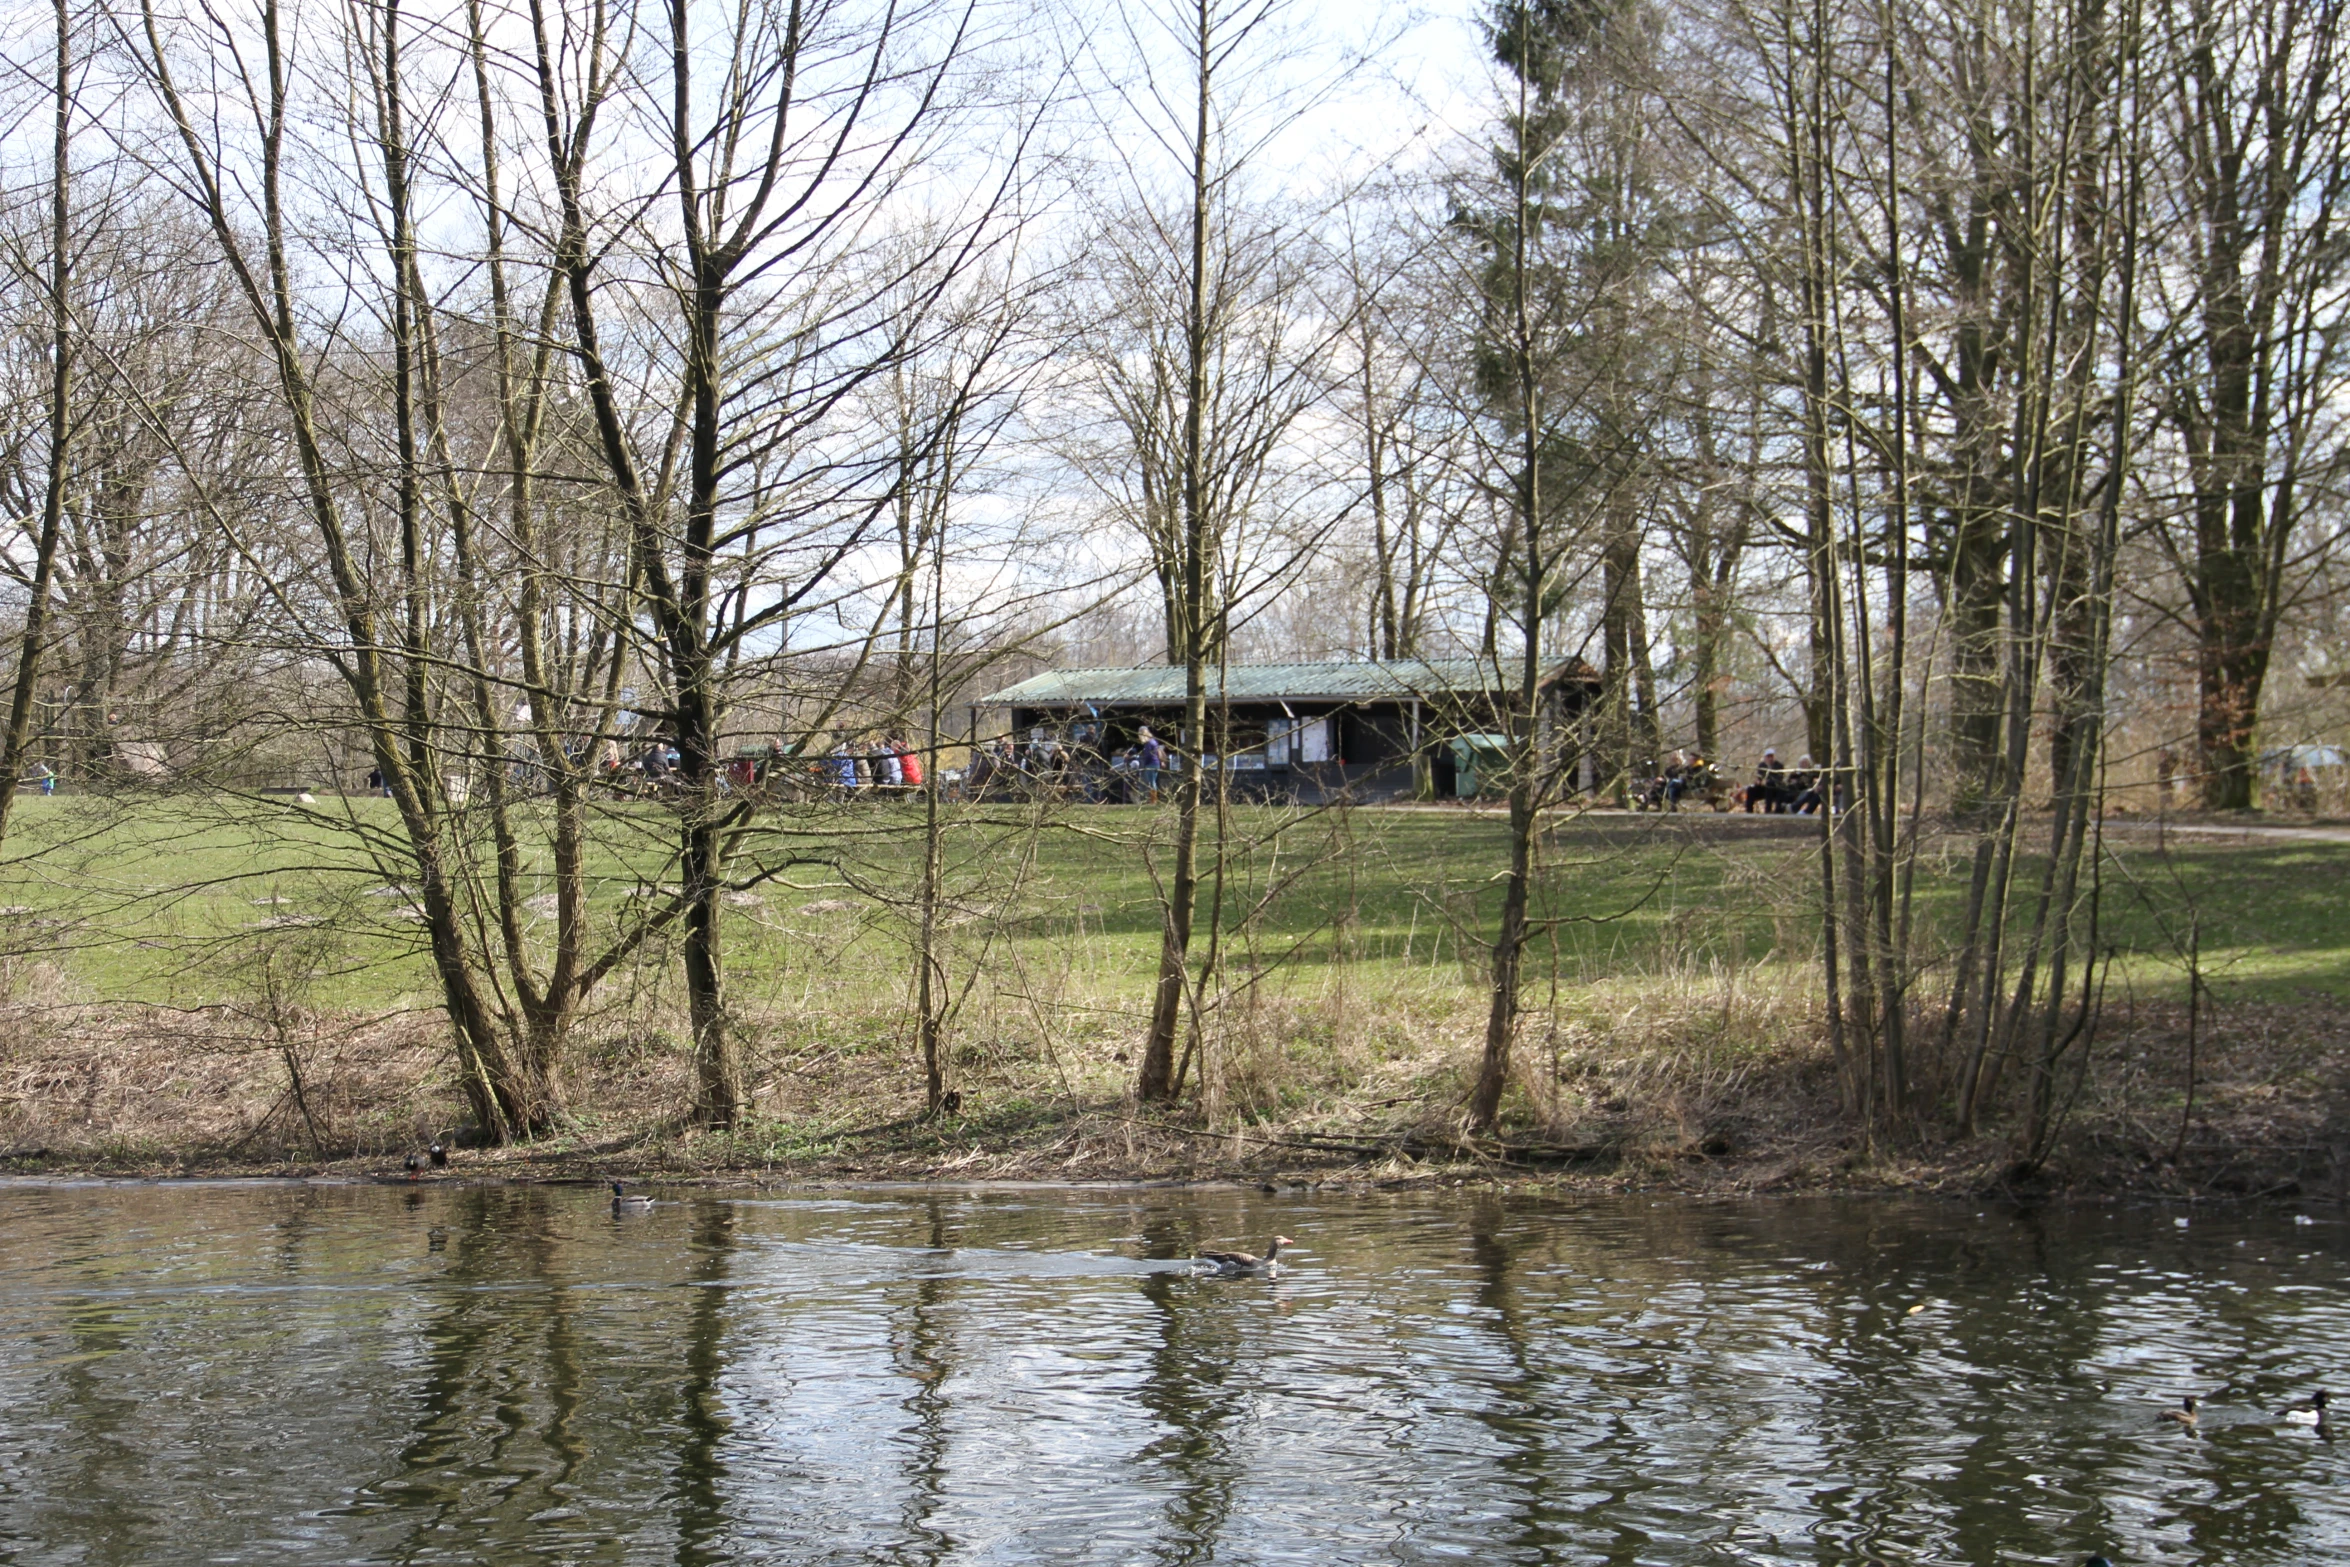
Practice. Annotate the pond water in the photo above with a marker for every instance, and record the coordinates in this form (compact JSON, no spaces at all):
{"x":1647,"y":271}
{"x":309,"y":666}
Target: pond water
{"x":278,"y":1373}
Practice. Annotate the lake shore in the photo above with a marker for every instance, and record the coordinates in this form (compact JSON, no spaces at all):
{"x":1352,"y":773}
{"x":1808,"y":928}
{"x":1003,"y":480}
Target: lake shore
{"x":2247,"y":1141}
{"x":1831,"y":1169}
{"x":1703,"y":1093}
{"x":1678,"y":1043}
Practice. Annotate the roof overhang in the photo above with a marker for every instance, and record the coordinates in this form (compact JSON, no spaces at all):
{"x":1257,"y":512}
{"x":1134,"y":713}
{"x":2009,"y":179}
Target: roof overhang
{"x":1400,"y":680}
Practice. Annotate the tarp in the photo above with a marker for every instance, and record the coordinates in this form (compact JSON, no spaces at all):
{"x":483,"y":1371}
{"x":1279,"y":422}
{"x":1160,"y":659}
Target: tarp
{"x":2294,"y":756}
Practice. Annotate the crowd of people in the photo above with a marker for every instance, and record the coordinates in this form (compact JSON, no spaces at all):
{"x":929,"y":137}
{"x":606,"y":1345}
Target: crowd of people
{"x":885,"y":761}
{"x":1082,"y":767}
{"x":1075,"y":766}
{"x":1779,"y":789}
{"x":1683,"y":777}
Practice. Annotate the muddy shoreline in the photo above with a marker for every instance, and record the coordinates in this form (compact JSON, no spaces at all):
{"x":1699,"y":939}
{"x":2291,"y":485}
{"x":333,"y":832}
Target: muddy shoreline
{"x":1824,"y":1165}
{"x":91,"y":1092}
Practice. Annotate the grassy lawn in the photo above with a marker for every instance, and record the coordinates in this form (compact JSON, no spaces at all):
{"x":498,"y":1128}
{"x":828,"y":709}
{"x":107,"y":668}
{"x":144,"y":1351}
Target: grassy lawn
{"x":181,"y":901}
{"x":1672,"y":992}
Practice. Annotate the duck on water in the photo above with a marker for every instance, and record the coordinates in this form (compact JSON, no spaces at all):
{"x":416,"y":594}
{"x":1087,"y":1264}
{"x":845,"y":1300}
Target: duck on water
{"x":626,"y":1201}
{"x":1237,"y":1264}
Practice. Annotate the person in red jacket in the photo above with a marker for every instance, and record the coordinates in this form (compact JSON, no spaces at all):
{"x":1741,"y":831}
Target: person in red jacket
{"x":909,"y":763}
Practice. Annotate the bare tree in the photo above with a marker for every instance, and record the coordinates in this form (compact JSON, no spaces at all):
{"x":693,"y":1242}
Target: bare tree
{"x":2258,"y":142}
{"x":1207,"y":373}
{"x":1545,"y":266}
{"x":57,"y":286}
{"x":749,"y":489}
{"x":1407,"y":438}
{"x":383,"y":641}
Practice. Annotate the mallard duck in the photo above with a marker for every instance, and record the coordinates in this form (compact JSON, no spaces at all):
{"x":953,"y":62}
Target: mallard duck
{"x":440,"y":1156}
{"x":1234,"y":1263}
{"x":626,"y":1201}
{"x":2312,"y":1413}
{"x":414,"y":1166}
{"x":2184,"y":1416}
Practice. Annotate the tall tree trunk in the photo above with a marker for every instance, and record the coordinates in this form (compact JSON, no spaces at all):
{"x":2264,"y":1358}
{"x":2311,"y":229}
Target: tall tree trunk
{"x":1622,"y":641}
{"x":30,"y":646}
{"x":1155,"y":1078}
{"x":2263,"y":159}
{"x":1648,"y":733}
{"x":1386,"y":628}
{"x":1523,"y":702}
{"x":1807,"y":153}
{"x":1711,"y":554}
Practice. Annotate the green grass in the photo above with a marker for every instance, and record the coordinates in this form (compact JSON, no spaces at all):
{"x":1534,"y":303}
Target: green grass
{"x":161,"y":901}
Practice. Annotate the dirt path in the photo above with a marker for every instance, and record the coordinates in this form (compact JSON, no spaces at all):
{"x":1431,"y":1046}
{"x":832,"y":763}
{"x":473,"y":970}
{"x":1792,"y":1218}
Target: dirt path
{"x":2244,"y":832}
{"x":1726,"y":825}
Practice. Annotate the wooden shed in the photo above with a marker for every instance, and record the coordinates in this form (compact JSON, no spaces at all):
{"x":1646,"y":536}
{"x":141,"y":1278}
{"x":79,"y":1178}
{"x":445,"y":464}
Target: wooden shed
{"x":1309,"y":732}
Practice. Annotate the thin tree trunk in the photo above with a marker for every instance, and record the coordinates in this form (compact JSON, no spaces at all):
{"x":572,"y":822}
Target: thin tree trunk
{"x":1808,"y":162}
{"x":1155,"y":1079}
{"x":2082,"y":701}
{"x":1882,"y":791}
{"x":36,"y":615}
{"x":930,"y":973}
{"x":1524,"y":703}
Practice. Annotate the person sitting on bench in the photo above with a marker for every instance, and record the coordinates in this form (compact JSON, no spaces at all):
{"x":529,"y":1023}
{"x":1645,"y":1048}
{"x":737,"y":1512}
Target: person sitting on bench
{"x":1803,"y":787}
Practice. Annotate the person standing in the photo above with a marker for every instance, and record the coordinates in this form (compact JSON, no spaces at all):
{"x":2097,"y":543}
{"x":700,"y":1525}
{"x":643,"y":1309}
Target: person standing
{"x":1769,"y":789}
{"x":1150,"y":756}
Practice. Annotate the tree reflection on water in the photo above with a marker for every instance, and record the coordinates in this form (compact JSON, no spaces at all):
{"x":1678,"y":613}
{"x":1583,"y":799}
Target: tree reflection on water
{"x":512,"y":1374}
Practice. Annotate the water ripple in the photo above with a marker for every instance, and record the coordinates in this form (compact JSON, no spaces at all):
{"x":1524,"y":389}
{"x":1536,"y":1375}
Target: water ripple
{"x":251,"y":1373}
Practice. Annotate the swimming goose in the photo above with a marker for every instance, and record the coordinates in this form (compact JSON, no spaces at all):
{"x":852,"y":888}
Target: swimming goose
{"x":2184,"y":1416}
{"x":1235,"y":1263}
{"x":626,"y":1201}
{"x":2312,"y":1413}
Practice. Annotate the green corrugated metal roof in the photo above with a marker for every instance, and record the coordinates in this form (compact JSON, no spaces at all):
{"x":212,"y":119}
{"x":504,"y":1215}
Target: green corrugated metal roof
{"x":1162,"y":685}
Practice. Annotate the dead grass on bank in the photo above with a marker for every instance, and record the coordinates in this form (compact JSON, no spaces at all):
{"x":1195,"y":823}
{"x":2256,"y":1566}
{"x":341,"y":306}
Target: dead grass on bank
{"x":1701,"y":1078}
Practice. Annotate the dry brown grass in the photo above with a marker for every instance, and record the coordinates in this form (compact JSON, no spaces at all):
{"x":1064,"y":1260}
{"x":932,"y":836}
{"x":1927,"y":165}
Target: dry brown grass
{"x":1698,"y":1077}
